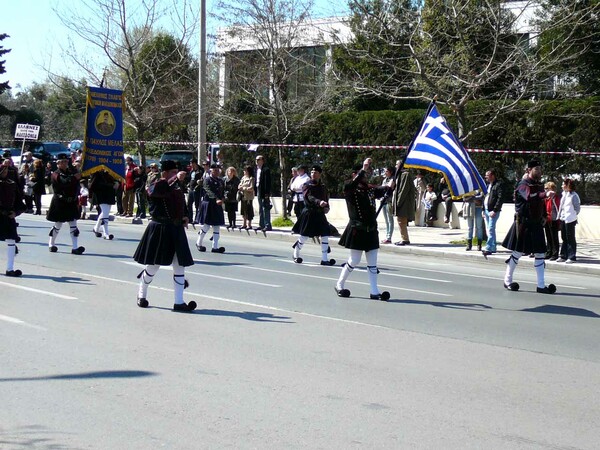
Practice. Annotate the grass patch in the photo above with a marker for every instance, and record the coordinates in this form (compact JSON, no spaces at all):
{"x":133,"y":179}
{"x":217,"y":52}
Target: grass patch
{"x":282,"y":222}
{"x":464,"y":242}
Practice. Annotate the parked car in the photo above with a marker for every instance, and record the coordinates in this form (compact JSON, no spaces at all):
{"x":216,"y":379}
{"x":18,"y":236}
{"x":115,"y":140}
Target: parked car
{"x":48,"y":151}
{"x":15,"y":154}
{"x":181,"y":157}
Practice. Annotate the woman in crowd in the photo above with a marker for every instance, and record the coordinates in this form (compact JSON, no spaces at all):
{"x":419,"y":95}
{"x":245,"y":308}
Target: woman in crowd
{"x":570,"y":205}
{"x":552,"y":223}
{"x":473,"y":211}
{"x":246,"y":187}
{"x":232,"y":183}
{"x":388,"y":207}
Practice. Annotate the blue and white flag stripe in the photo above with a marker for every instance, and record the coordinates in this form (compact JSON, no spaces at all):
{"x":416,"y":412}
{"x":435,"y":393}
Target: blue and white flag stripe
{"x":436,"y":149}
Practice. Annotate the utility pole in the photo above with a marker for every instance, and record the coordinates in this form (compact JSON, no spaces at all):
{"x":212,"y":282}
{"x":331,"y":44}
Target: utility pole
{"x":202,"y":85}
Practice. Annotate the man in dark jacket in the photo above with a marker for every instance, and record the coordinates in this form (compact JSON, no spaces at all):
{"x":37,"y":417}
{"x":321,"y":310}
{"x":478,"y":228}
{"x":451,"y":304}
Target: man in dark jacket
{"x":262,"y":190}
{"x":492,"y":205}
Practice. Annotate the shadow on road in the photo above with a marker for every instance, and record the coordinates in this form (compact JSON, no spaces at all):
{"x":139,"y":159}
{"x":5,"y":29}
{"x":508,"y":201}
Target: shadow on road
{"x":564,"y":310}
{"x":33,"y":436}
{"x":468,"y":306}
{"x":69,"y":280}
{"x":87,"y":375}
{"x":246,"y":315}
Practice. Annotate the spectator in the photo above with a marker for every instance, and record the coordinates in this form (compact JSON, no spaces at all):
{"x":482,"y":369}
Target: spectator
{"x":388,"y":208}
{"x":194,"y":187}
{"x":428,"y":201}
{"x":140,"y":191}
{"x":473,"y":213}
{"x":297,"y":191}
{"x":404,"y":204}
{"x":26,"y":181}
{"x":492,"y":205}
{"x":290,"y":193}
{"x":129,"y":187}
{"x":570,"y":206}
{"x":263,"y":192}
{"x":420,"y":189}
{"x":82,"y":199}
{"x":48,"y":177}
{"x":246,"y":188}
{"x":232,"y":183}
{"x":552,"y":222}
{"x":446,"y":197}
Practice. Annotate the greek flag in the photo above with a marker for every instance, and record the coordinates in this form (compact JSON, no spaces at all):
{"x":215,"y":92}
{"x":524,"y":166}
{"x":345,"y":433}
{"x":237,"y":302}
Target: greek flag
{"x":436,"y":149}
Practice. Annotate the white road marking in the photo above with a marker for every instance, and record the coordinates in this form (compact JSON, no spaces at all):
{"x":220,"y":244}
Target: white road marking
{"x":485,"y":277}
{"x":20,"y":322}
{"x":237,"y":280}
{"x":437,"y":280}
{"x":38,"y":291}
{"x":295,"y":274}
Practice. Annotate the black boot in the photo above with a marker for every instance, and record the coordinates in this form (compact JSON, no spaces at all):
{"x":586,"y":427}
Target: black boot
{"x":478,"y":245}
{"x":469,"y":245}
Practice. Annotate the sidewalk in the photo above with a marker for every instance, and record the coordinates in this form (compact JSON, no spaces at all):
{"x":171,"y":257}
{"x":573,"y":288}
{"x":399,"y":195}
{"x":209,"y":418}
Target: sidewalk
{"x":433,"y":241}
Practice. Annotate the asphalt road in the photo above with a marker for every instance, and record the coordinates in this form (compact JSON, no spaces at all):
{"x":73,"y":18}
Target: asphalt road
{"x":273,"y":358}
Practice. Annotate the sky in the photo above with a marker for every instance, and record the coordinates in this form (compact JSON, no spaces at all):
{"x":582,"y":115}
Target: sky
{"x":37,"y":34}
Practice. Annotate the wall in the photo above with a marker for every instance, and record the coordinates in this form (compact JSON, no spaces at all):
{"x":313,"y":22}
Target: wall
{"x":588,"y":227}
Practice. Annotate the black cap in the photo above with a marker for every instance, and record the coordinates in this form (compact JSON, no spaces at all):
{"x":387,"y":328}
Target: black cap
{"x":168,"y":165}
{"x":533,"y":163}
{"x":317,"y":168}
{"x":6,"y":154}
{"x":214,"y":166}
{"x":61,"y":156}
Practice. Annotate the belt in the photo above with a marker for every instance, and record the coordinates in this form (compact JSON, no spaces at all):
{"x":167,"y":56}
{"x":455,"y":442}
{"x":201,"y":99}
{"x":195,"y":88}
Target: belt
{"x":167,"y":220}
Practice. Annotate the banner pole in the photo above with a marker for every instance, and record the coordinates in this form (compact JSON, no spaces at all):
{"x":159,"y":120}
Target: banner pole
{"x":21,"y":158}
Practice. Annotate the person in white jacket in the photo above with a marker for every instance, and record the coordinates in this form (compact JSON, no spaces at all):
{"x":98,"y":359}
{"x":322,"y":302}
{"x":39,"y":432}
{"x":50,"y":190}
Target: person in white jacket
{"x":569,"y":208}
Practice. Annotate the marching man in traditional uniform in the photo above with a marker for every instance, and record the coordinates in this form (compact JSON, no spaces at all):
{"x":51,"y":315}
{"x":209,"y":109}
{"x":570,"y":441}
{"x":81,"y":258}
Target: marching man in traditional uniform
{"x":164,"y":242}
{"x":103,"y":188}
{"x":361,"y":234}
{"x":211,"y":210}
{"x":526,"y":235}
{"x":64,"y":203}
{"x":11,"y":205}
{"x":312,"y":221}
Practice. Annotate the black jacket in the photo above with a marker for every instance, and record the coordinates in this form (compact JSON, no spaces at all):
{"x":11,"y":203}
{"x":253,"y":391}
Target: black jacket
{"x":263,"y":189}
{"x":496,"y":196}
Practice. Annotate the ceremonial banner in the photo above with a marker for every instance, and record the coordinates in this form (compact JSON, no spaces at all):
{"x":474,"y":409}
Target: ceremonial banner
{"x":103,"y":142}
{"x":436,"y":149}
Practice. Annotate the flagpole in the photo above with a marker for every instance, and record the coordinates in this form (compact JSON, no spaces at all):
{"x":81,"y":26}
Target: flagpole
{"x":386,"y":197}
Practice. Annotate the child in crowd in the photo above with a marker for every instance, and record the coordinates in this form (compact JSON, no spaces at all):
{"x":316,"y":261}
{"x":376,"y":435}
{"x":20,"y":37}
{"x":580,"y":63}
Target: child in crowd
{"x":428,"y":202}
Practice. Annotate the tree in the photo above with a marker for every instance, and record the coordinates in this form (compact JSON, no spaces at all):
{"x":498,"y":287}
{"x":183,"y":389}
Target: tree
{"x":462,"y":51}
{"x":3,"y":85}
{"x":580,"y":74}
{"x":139,"y":59}
{"x":271,"y":71}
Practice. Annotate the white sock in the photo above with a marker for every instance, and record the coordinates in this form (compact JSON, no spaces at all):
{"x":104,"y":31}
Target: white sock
{"x":178,"y":281}
{"x":146,"y":278}
{"x":373,"y":271}
{"x":298,"y":246}
{"x":540,"y":265}
{"x":201,"y":234}
{"x":74,"y":233}
{"x":324,"y":248}
{"x":511,"y":266}
{"x":216,"y":236}
{"x":11,"y":250}
{"x":54,"y":234}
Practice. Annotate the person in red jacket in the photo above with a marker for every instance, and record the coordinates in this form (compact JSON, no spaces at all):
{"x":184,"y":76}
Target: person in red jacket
{"x":552,"y":222}
{"x":129,"y":187}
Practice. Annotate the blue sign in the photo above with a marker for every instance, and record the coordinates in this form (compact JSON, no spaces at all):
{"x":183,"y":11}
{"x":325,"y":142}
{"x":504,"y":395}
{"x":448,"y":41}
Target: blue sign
{"x":103,"y":141}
